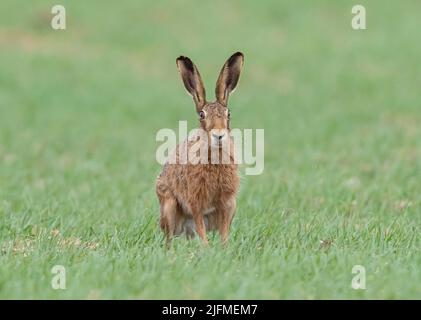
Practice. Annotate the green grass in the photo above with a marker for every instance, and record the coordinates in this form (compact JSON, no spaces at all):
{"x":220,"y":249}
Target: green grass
{"x":79,"y":110}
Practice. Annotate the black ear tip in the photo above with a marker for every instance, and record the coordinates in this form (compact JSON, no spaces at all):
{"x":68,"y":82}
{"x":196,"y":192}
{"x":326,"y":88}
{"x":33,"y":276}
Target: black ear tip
{"x":238,"y":54}
{"x":186,"y":61}
{"x":234,"y":58}
{"x":180,"y":58}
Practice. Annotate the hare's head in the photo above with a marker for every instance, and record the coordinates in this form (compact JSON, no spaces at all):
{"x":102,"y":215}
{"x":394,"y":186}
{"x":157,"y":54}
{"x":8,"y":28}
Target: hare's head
{"x":214,"y":117}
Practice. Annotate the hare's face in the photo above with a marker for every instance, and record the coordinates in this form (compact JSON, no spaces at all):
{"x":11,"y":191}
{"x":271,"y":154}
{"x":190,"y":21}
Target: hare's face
{"x":214,"y":119}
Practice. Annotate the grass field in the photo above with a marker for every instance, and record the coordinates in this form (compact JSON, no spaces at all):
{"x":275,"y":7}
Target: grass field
{"x":341,"y":110}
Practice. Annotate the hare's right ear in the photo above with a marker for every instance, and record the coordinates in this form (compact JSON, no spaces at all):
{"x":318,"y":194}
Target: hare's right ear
{"x":192,"y":81}
{"x":228,"y":77}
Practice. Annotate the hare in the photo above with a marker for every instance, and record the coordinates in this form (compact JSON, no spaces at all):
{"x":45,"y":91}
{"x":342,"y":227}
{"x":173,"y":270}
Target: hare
{"x":201,"y":197}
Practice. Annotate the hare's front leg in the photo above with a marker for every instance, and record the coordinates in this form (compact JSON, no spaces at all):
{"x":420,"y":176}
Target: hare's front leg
{"x":226,"y":211}
{"x":200,"y":225}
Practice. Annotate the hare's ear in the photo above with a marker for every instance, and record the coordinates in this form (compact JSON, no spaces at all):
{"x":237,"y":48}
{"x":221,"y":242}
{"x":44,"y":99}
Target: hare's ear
{"x":192,"y":81}
{"x":228,"y":78}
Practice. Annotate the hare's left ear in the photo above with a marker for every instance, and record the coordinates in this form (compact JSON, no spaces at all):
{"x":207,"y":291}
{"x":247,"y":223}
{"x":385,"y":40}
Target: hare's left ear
{"x":228,"y":78}
{"x":192,"y":81}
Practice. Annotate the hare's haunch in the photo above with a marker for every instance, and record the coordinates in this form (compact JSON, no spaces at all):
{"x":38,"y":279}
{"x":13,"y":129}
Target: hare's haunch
{"x":199,"y":195}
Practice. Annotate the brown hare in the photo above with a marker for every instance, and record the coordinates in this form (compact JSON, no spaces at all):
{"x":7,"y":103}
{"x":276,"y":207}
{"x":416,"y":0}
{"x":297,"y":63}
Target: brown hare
{"x":201,"y":197}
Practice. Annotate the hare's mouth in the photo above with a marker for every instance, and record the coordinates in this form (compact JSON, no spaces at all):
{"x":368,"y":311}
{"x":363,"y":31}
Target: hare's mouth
{"x":216,"y":143}
{"x":218,"y":140}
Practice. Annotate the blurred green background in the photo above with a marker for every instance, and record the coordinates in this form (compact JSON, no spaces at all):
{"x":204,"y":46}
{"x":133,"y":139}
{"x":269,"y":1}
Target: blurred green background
{"x":79,"y":110}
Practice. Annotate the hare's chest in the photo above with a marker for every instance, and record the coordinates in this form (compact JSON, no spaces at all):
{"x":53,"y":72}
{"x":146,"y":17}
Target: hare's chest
{"x":208,"y":182}
{"x":218,"y":178}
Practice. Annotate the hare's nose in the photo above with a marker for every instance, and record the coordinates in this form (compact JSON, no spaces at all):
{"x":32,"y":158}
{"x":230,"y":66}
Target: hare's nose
{"x":218,"y":136}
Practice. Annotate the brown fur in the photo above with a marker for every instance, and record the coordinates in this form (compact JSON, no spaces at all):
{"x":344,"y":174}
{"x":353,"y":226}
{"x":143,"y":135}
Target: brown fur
{"x":202,"y":197}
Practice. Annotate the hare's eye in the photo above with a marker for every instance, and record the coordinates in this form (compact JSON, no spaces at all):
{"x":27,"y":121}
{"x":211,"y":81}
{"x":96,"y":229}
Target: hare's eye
{"x":201,"y":115}
{"x":229,"y":115}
